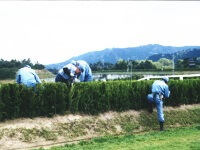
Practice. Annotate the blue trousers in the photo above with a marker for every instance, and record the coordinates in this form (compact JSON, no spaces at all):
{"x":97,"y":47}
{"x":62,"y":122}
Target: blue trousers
{"x":159,"y":105}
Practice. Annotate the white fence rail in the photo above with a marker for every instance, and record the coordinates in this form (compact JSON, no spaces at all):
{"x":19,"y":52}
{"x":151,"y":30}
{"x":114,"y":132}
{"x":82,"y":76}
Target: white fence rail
{"x":171,"y":76}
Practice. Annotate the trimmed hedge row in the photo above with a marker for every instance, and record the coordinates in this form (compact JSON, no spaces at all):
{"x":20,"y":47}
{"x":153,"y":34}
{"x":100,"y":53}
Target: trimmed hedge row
{"x":45,"y":99}
{"x":48,"y":99}
{"x":184,"y":92}
{"x":104,"y":96}
{"x":99,"y":97}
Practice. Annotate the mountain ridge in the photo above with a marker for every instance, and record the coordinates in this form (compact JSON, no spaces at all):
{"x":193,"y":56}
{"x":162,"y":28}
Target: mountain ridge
{"x":111,"y":55}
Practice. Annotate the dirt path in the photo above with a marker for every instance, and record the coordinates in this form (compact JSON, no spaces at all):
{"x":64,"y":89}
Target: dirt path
{"x":14,"y":136}
{"x":27,"y":133}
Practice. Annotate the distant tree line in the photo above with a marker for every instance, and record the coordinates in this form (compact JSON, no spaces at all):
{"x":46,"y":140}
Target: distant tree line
{"x":8,"y":69}
{"x":19,"y":64}
{"x":162,"y":63}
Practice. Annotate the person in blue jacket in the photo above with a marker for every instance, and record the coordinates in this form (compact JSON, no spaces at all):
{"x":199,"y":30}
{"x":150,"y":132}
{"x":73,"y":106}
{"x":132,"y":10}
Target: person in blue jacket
{"x":27,"y":76}
{"x":68,"y":73}
{"x":160,"y":90}
{"x":86,"y":74}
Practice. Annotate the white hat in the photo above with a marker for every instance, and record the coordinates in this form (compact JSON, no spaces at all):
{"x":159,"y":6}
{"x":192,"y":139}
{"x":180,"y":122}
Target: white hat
{"x":166,"y":79}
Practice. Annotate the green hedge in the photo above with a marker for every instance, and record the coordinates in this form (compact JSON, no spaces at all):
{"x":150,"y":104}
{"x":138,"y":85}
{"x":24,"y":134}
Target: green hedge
{"x":48,"y":99}
{"x":184,"y":92}
{"x":99,"y":97}
{"x":104,"y":96}
{"x":45,"y":99}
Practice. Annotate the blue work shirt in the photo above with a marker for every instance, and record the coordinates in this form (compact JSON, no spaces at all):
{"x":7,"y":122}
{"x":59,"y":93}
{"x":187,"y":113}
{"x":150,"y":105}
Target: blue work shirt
{"x":27,"y":76}
{"x":86,"y":75}
{"x":159,"y":86}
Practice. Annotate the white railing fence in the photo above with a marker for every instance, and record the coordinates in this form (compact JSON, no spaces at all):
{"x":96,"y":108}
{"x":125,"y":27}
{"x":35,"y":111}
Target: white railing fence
{"x":181,"y":77}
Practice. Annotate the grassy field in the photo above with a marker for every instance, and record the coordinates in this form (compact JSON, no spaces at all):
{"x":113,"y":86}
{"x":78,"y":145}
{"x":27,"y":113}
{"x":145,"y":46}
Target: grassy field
{"x":43,"y":74}
{"x":187,"y":138}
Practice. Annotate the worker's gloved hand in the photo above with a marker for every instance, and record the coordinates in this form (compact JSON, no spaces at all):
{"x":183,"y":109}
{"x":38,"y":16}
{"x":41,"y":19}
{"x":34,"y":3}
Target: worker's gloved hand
{"x":77,"y":80}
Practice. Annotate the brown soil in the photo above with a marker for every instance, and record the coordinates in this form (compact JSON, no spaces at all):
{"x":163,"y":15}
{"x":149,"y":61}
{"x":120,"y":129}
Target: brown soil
{"x":22,"y":133}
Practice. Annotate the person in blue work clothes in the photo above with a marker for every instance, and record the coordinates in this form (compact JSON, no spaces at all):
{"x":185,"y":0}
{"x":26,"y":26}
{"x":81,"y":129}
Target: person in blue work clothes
{"x":27,"y":76}
{"x":86,"y":74}
{"x":160,"y":90}
{"x":68,"y":73}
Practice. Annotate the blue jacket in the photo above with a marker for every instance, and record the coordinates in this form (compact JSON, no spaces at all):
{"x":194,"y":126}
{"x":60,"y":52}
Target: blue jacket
{"x":27,"y":76}
{"x":159,"y":86}
{"x":86,"y":75}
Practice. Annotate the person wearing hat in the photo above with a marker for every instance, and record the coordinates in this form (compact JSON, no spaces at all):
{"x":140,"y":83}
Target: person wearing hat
{"x":160,"y":90}
{"x":85,"y":74}
{"x":67,"y":74}
{"x":27,"y":76}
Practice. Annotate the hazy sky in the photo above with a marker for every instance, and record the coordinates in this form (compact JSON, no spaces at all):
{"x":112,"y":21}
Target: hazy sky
{"x":54,"y":31}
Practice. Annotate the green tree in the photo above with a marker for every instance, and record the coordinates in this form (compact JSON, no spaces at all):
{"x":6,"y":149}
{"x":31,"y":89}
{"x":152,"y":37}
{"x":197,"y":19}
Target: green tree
{"x":179,"y":64}
{"x":185,"y":63}
{"x":158,"y":65}
{"x":146,"y":65}
{"x":26,"y":62}
{"x":165,"y":61}
{"x":38,"y":66}
{"x":135,"y":63}
{"x":121,"y":64}
{"x":149,"y":64}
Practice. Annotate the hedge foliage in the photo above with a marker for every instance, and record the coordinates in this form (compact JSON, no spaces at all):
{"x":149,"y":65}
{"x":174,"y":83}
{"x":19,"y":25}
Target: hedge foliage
{"x":45,"y":99}
{"x":48,"y":99}
{"x":98,"y":97}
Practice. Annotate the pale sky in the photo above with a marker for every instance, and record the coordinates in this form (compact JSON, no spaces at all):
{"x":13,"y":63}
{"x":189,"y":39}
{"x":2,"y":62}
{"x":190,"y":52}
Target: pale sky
{"x":54,"y":31}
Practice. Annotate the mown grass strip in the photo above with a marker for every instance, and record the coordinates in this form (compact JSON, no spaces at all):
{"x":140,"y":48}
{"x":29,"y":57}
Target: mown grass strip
{"x":178,"y":138}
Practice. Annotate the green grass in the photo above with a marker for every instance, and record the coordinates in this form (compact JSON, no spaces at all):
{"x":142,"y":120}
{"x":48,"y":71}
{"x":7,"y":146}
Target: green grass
{"x":43,"y":74}
{"x":187,"y":138}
